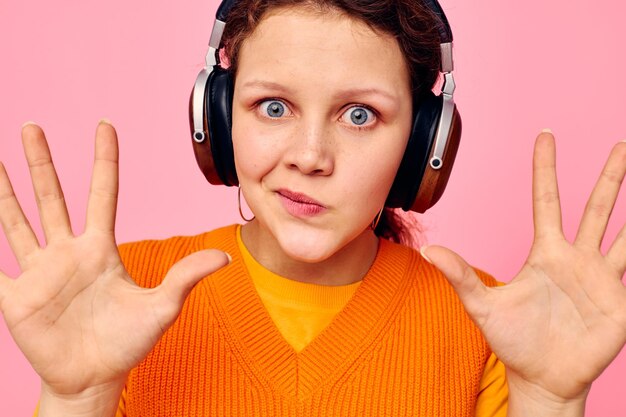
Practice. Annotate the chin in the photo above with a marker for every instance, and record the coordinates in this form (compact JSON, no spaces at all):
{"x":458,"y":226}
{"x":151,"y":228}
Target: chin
{"x":307,"y":244}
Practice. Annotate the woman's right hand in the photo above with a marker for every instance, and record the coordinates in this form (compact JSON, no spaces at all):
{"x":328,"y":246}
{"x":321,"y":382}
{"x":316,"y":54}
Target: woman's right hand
{"x":75,"y":313}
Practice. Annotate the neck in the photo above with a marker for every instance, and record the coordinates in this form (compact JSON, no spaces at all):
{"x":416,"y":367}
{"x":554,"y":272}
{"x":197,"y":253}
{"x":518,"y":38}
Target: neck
{"x":346,"y":266}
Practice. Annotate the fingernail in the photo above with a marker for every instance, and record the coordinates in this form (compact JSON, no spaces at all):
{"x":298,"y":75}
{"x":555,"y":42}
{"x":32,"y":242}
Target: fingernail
{"x":230,"y":258}
{"x":422,"y":249}
{"x":546,"y":130}
{"x":105,"y":120}
{"x":29,"y":123}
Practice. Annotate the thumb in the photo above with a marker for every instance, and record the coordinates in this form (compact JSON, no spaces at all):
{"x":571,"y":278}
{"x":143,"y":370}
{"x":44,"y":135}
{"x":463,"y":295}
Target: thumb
{"x":183,"y":276}
{"x":466,"y":283}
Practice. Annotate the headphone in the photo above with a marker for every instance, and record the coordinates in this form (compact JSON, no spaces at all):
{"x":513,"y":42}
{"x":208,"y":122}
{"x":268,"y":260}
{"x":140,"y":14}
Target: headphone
{"x":431,"y":149}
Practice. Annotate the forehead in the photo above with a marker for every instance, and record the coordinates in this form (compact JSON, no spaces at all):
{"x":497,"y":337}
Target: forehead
{"x":303,"y":45}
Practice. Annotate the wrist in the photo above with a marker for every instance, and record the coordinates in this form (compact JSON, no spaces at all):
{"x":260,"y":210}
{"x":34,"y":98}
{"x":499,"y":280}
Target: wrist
{"x":527,"y":399}
{"x":97,"y":401}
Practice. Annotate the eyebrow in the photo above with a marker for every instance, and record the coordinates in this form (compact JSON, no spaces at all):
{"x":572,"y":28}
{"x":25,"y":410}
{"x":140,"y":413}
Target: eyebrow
{"x":342,"y":94}
{"x":266,"y":84}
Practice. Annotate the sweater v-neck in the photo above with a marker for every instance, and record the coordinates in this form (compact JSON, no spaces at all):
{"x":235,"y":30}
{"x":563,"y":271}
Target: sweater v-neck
{"x":351,"y":333}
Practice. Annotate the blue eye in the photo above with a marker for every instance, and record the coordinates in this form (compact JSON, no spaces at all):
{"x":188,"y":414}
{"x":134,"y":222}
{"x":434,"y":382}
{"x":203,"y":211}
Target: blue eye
{"x":272,"y":108}
{"x":359,"y":115}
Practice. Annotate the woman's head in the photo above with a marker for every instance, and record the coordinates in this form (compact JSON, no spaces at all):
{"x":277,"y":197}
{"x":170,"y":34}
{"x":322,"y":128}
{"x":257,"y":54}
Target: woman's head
{"x":322,"y":106}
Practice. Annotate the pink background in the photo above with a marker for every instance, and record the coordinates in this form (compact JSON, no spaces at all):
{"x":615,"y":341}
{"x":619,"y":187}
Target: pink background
{"x":520,"y":67}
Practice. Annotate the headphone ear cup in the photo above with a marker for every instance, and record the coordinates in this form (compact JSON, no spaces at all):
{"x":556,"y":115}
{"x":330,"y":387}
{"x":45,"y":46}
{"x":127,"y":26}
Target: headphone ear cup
{"x":202,"y":150}
{"x":417,"y":185}
{"x":434,"y":181}
{"x":215,"y":156}
{"x":426,"y":114}
{"x":219,"y":99}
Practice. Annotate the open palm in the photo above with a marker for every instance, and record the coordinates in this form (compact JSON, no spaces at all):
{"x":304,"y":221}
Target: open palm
{"x":562,"y":320}
{"x":74,"y":311}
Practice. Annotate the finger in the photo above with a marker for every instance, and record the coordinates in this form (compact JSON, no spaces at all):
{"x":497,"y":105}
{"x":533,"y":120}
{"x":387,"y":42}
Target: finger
{"x":468,"y":286}
{"x":102,"y":205}
{"x":602,"y":200}
{"x":20,"y":235}
{"x":181,"y":279}
{"x":55,"y":220}
{"x":617,"y":252}
{"x":546,"y":203}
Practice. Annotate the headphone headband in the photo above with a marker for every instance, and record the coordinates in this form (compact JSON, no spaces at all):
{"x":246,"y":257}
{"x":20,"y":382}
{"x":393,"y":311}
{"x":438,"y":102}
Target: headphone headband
{"x":224,"y":9}
{"x":445,"y":32}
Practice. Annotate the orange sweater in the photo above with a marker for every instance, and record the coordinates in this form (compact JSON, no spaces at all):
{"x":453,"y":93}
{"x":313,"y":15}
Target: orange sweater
{"x":403,"y":345}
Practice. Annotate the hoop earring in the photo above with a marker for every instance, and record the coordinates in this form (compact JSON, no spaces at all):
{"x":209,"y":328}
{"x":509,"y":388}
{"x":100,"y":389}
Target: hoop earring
{"x":239,"y":204}
{"x":377,"y":219}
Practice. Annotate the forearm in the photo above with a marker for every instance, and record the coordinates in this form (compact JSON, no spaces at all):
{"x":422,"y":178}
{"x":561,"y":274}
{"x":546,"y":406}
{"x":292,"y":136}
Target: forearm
{"x":93,"y":402}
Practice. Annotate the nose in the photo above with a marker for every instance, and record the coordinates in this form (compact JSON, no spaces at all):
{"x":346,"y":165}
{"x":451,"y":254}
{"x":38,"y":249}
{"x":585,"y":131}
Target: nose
{"x":311,"y":149}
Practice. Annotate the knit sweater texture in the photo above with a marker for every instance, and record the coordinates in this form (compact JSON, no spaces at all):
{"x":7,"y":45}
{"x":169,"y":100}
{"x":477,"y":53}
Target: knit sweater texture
{"x":402,"y":346}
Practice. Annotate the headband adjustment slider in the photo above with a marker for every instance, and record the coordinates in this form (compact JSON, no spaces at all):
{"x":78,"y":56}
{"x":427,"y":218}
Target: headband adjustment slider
{"x":447,"y":63}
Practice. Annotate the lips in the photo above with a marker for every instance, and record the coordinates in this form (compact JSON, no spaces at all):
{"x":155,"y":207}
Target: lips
{"x":300,"y":205}
{"x":299,"y":197}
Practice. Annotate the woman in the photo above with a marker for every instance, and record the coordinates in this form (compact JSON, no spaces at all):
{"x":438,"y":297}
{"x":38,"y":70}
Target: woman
{"x":316,"y":153}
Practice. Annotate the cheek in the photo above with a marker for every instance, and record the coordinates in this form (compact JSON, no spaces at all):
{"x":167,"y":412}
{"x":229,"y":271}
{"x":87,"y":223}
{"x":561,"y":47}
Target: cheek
{"x":373,"y":181}
{"x":248,"y":162}
{"x":254,"y":154}
{"x":375,"y":171}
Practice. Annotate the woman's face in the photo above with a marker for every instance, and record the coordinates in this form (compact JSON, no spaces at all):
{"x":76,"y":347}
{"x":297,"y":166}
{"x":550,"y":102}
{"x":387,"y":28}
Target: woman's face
{"x":321,"y":118}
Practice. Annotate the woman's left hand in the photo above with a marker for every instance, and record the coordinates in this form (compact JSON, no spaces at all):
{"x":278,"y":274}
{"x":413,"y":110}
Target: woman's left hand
{"x":562,"y":320}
